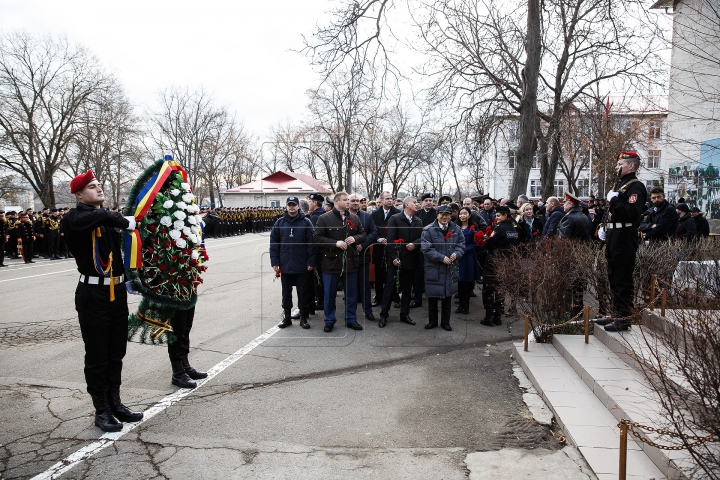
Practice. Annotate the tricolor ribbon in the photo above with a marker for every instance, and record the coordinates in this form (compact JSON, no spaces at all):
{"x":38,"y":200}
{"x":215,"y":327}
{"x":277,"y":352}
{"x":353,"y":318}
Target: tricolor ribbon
{"x":143,"y":203}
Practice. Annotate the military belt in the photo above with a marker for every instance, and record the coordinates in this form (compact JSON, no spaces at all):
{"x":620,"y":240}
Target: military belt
{"x":618,"y":225}
{"x":102,"y":281}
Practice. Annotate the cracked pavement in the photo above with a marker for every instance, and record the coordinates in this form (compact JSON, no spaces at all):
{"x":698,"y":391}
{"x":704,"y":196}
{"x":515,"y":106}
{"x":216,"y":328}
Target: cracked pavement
{"x":401,"y":402}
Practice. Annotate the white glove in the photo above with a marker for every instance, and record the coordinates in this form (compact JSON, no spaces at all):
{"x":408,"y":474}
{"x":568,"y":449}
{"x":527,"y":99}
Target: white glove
{"x":602,"y":233}
{"x":612,"y":195}
{"x":132,"y":221}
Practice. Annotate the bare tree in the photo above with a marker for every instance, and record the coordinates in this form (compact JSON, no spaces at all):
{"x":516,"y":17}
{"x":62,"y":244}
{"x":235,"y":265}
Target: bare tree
{"x":44,"y":83}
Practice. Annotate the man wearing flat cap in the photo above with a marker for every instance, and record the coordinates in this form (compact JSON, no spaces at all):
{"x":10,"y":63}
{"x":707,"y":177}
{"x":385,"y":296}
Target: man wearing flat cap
{"x":620,"y":232}
{"x":575,"y":224}
{"x":427,"y":214}
{"x":100,"y":298}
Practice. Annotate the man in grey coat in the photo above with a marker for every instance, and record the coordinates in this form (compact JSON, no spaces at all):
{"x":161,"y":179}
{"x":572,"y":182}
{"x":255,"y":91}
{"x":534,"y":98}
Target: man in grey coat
{"x":442,"y":243}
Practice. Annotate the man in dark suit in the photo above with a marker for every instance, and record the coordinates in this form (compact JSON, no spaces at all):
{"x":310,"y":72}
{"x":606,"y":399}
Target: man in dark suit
{"x":380,"y":218}
{"x":363,"y":281}
{"x":403,"y":252}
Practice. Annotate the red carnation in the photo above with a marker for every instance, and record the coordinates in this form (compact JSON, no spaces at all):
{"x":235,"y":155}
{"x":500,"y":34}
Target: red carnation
{"x":152,"y":228}
{"x":166,"y":245}
{"x":156,"y":241}
{"x":479,"y":238}
{"x":277,"y":273}
{"x":162,"y":267}
{"x":472,"y":228}
{"x":163,"y":231}
{"x":193,"y":262}
{"x":174,"y":257}
{"x":150,"y":250}
{"x":488,"y":231}
{"x":494,"y":222}
{"x":535,"y":233}
{"x":448,"y":235}
{"x":399,"y":240}
{"x":172,"y":271}
{"x":350,"y":224}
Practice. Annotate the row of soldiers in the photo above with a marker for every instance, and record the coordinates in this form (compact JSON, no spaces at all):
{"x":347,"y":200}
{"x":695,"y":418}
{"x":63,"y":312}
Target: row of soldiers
{"x":29,"y":234}
{"x":228,"y":221}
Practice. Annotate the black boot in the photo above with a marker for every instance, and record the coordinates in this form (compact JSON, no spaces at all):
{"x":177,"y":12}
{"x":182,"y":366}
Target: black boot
{"x":497,"y":318}
{"x":304,"y":320}
{"x":488,"y":320}
{"x":120,"y":411}
{"x":466,"y":308}
{"x":286,"y":321}
{"x":179,"y":377}
{"x":104,"y":418}
{"x":191,"y":372}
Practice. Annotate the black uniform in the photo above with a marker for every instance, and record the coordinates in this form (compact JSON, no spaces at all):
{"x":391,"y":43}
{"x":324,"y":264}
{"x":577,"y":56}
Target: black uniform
{"x":505,"y":237}
{"x":379,"y":256}
{"x":622,"y":242}
{"x":3,"y":234}
{"x":103,"y":322}
{"x":52,"y":237}
{"x":25,"y":236}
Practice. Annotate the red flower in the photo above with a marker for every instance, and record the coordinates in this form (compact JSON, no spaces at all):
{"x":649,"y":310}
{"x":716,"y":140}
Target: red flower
{"x":448,"y":235}
{"x":472,"y":228}
{"x":350,"y":224}
{"x":494,"y":222}
{"x":174,"y":257}
{"x":172,"y":271}
{"x":193,"y":262}
{"x":479,"y":238}
{"x":152,"y":228}
{"x":162,"y":267}
{"x":535,"y":233}
{"x":150,"y":250}
{"x":277,"y":274}
{"x":166,"y":245}
{"x":399,"y":240}
{"x":488,"y":231}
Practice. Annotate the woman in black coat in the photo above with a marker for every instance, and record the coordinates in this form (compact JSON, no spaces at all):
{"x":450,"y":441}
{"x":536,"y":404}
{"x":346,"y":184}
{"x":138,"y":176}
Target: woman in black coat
{"x":530,"y":223}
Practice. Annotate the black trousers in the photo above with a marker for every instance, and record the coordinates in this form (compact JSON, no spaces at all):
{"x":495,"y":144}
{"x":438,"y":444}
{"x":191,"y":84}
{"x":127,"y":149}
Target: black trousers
{"x":464,"y":291}
{"x":446,"y":305}
{"x":315,"y":290}
{"x":53,"y":243}
{"x":104,"y":328}
{"x":492,"y":299}
{"x":407,"y":278}
{"x":182,"y":323}
{"x":300,"y":282}
{"x":620,"y":251}
{"x":2,"y":251}
{"x":28,"y":250}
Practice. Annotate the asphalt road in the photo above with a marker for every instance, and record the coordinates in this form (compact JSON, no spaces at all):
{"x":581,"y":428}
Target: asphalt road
{"x":398,"y":402}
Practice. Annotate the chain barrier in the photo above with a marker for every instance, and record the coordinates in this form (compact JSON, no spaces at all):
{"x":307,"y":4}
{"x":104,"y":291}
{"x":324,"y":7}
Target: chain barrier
{"x":552,"y":326}
{"x":694,"y":440}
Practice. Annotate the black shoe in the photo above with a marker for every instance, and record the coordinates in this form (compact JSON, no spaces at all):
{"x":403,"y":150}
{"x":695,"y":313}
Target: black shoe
{"x":602,"y":321}
{"x":3,"y":265}
{"x":430,"y":325}
{"x":370,"y":317}
{"x":497,"y":320}
{"x":107,"y":422}
{"x":120,"y":411}
{"x":415,"y":304}
{"x":617,"y":327}
{"x":407,"y":320}
{"x":182,"y":380}
{"x":465,"y":310}
{"x":447,"y":327}
{"x":382,"y":322}
{"x":396,"y":304}
{"x":304,"y":323}
{"x":295,"y":316}
{"x":285,"y":323}
{"x":354,"y":326}
{"x":191,"y":372}
{"x":328,"y":328}
{"x":473,"y":294}
{"x":460,"y":308}
{"x":488,"y":320}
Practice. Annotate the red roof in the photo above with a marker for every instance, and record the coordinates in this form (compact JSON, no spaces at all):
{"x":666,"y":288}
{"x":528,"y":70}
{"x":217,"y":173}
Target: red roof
{"x":284,"y":182}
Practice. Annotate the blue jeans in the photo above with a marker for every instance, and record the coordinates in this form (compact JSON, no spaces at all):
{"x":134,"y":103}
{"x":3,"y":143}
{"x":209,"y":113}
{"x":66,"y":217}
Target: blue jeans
{"x":363,"y":283}
{"x":330,"y":284}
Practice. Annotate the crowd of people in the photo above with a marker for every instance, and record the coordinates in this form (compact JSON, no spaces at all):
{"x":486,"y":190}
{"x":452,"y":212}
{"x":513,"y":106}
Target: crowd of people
{"x":412,"y":248}
{"x":28,"y":235}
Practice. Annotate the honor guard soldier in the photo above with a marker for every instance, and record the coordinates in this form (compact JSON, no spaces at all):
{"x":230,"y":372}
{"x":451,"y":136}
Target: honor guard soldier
{"x":620,"y":231}
{"x":25,"y":236}
{"x":93,"y":237}
{"x":53,"y":234}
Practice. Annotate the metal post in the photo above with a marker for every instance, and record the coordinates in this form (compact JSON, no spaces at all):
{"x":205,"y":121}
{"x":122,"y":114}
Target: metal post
{"x":527,"y":331}
{"x":664,"y":301}
{"x":587,"y":323}
{"x":622,"y":473}
{"x":653,"y":286}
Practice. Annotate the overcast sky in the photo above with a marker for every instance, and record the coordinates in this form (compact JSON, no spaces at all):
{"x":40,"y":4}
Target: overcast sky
{"x":238,"y":50}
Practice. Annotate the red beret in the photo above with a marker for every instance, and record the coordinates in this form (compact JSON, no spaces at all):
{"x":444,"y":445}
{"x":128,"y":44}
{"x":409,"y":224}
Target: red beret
{"x":79,"y":182}
{"x":628,"y":154}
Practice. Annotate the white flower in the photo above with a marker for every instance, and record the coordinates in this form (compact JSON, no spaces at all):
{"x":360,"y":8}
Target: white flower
{"x":178,"y":224}
{"x":180,"y":243}
{"x":167,"y":221}
{"x":185,"y":186}
{"x":181,"y":205}
{"x":168,"y":204}
{"x":194,"y":229}
{"x":195,"y":255}
{"x":198,"y":219}
{"x":186,"y":231}
{"x":174,"y":192}
{"x":193,"y":238}
{"x":192,"y":221}
{"x":180,"y":215}
{"x":193,"y":208}
{"x":175,"y":234}
{"x":188,"y":197}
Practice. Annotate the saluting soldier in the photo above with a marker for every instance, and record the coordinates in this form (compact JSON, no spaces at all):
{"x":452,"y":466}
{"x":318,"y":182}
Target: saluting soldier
{"x":100,"y":298}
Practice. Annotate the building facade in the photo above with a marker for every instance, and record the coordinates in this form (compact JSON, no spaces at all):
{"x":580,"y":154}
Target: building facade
{"x":273,"y":190}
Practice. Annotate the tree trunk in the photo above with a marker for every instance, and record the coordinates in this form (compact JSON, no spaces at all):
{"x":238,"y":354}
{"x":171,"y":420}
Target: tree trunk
{"x":528,"y":103}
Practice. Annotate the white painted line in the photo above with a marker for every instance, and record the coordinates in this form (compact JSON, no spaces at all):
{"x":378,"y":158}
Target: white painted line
{"x":39,"y":275}
{"x":108,"y":439}
{"x":16,"y":267}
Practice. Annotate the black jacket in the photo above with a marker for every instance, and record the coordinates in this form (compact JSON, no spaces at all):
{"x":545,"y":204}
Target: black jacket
{"x":371,"y":232}
{"x":381,"y":224}
{"x":660,"y":224}
{"x":534,"y":232}
{"x":686,"y":227}
{"x":505,"y":237}
{"x":575,"y":224}
{"x":329,"y":229}
{"x":627,"y":207}
{"x":399,"y":228}
{"x":552,"y":220}
{"x":702,"y":226}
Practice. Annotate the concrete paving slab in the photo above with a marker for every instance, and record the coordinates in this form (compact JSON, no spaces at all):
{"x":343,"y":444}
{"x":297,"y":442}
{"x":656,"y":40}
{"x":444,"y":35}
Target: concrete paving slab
{"x":540,"y":464}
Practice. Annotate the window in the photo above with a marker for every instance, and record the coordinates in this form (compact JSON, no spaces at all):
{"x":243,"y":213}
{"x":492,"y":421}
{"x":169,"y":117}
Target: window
{"x":653,"y":160}
{"x":513,"y":130}
{"x":535,"y":161}
{"x":512,"y":156}
{"x":559,"y":187}
{"x":534,"y":188}
{"x":275,"y":203}
{"x":583,"y":185}
{"x":654,"y":129}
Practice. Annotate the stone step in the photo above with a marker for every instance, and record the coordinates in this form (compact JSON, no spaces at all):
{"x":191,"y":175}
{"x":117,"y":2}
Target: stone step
{"x":625,"y":393}
{"x":584,"y":419}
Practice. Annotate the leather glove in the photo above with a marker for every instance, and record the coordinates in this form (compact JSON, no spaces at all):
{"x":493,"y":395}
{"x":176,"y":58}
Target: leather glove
{"x":612,"y":195}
